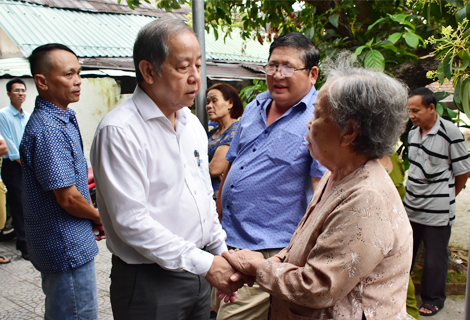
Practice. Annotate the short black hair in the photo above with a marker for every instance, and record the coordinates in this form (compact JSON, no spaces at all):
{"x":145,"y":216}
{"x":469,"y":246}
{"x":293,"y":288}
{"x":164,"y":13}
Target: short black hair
{"x":309,"y":53}
{"x":38,"y":59}
{"x":426,"y":94}
{"x":13,"y":81}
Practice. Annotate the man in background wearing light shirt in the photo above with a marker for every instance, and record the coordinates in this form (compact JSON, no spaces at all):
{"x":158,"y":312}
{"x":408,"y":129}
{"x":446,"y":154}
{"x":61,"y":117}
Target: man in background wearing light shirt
{"x":13,"y":120}
{"x":149,"y":158}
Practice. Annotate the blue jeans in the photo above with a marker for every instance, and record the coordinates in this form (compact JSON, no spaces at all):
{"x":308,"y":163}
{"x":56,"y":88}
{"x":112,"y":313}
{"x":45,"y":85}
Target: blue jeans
{"x":71,"y":295}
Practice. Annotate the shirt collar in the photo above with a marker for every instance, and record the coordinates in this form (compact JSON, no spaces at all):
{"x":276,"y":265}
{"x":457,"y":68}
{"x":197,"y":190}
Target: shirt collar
{"x":16,"y":112}
{"x":54,"y":110}
{"x":305,"y":101}
{"x":436,"y":126}
{"x":149,"y":110}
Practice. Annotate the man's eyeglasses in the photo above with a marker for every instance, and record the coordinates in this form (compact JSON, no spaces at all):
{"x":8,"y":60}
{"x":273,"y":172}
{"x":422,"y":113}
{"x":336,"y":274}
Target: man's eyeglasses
{"x":286,"y":71}
{"x":18,"y":90}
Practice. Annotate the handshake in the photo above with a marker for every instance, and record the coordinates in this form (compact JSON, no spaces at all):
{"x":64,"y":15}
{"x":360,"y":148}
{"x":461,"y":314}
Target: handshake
{"x":230,"y":271}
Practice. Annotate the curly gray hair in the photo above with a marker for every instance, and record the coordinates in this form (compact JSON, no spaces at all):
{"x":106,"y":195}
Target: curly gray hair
{"x":373,"y":100}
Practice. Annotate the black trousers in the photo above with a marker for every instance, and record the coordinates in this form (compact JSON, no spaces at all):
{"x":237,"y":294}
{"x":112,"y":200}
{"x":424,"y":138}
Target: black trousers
{"x":436,"y":259}
{"x":12,"y":176}
{"x":149,"y":292}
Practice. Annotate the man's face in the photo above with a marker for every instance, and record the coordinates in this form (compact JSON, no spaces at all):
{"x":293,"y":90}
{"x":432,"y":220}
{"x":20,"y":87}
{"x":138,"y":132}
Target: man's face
{"x":419,"y":114}
{"x":17,"y":94}
{"x":180,"y":76}
{"x":63,"y":80}
{"x":288,"y":91}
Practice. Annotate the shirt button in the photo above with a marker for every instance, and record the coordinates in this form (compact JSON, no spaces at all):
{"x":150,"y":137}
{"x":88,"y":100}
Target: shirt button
{"x":184,"y":165}
{"x":228,"y":207}
{"x":232,"y":186}
{"x":254,"y":149}
{"x":242,"y":168}
{"x":265,"y":131}
{"x":195,"y":192}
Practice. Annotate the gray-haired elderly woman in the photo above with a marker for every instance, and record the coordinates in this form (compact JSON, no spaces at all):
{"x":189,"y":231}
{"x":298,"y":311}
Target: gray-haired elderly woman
{"x":350,"y":256}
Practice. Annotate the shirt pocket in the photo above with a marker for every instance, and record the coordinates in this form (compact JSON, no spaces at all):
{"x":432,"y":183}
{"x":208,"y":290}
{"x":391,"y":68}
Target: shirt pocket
{"x":286,"y":147}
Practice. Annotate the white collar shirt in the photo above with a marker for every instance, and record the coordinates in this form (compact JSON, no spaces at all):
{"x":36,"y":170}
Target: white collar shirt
{"x":154,"y":189}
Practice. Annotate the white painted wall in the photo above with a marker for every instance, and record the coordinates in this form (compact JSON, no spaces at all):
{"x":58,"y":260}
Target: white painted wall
{"x":98,"y":97}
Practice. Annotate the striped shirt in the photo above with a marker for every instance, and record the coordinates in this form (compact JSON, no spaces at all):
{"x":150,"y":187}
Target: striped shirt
{"x":435,"y":160}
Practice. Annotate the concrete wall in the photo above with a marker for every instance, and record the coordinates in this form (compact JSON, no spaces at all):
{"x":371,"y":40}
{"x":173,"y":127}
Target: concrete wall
{"x":98,"y":97}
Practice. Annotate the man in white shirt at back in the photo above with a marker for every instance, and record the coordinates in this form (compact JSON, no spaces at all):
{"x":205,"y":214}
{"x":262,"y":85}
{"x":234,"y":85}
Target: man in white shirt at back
{"x":154,"y":192}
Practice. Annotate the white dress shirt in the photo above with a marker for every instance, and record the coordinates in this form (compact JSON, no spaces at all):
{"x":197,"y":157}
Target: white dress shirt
{"x":154,"y":189}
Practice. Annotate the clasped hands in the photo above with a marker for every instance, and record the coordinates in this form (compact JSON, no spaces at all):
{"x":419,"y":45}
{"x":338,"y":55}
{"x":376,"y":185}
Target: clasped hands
{"x":230,"y":271}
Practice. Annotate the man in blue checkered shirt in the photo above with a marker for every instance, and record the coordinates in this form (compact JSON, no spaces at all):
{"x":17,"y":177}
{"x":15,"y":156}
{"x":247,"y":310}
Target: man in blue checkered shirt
{"x":59,"y":219}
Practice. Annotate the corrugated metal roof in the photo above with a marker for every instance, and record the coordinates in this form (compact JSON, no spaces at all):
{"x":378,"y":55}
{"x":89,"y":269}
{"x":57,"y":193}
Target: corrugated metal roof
{"x":88,"y":34}
{"x":102,"y":34}
{"x":112,"y":6}
{"x":231,"y":48}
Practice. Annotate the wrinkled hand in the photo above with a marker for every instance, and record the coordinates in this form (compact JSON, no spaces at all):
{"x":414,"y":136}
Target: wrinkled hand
{"x":249,"y":280}
{"x":98,"y":230}
{"x":219,"y":276}
{"x":245,"y":261}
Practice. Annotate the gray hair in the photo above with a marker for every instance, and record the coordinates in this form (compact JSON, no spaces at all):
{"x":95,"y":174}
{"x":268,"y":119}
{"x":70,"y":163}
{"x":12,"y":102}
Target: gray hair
{"x":152,"y":42}
{"x":373,"y":100}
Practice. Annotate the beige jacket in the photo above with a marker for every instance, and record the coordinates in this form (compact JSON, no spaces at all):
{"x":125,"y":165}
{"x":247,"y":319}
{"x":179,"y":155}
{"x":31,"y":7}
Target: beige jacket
{"x":350,"y":254}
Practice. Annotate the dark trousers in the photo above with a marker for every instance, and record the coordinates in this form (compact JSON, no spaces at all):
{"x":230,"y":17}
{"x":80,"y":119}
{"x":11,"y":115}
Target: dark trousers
{"x":149,"y":292}
{"x":12,"y":176}
{"x":436,"y":259}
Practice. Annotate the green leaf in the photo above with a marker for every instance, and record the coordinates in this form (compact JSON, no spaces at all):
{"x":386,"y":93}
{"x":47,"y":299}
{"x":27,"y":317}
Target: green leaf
{"x":411,"y":39}
{"x":395,"y":37}
{"x":455,"y":3}
{"x":374,"y":60}
{"x":465,"y":56}
{"x":439,"y":109}
{"x":451,"y":113}
{"x":457,"y":93}
{"x":440,"y":95}
{"x":334,"y":20}
{"x":465,"y":96}
{"x":461,"y":14}
{"x":447,"y":64}
{"x":399,"y":17}
{"x":310,"y":32}
{"x":390,"y":47}
{"x":466,"y":33}
{"x":359,"y":50}
{"x":440,"y":72}
{"x":377,"y":21}
{"x":410,"y":25}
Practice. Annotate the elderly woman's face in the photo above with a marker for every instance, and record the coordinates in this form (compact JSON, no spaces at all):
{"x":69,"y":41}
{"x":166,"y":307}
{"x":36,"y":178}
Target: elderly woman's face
{"x":324,"y":138}
{"x":217,"y":107}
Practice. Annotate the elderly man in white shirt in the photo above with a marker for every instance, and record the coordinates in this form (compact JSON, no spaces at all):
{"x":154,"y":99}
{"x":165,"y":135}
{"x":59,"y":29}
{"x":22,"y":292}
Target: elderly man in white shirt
{"x":154,"y":192}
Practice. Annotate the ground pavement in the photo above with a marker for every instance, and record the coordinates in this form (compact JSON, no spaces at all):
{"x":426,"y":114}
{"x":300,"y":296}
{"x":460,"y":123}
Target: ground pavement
{"x":21,"y":296}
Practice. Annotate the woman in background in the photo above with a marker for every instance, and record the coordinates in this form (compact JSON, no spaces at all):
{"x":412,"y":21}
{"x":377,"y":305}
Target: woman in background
{"x":224,"y":107}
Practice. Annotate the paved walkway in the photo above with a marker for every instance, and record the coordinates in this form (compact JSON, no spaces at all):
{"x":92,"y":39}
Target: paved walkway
{"x":21,"y":296}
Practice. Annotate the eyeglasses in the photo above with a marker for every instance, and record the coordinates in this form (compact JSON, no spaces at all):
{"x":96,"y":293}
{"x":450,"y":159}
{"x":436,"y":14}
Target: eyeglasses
{"x":19,"y":91}
{"x":286,"y":71}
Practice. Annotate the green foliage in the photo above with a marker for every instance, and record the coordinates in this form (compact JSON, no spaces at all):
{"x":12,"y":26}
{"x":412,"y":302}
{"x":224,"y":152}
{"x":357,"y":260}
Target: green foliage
{"x":247,"y":94}
{"x":452,"y":49}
